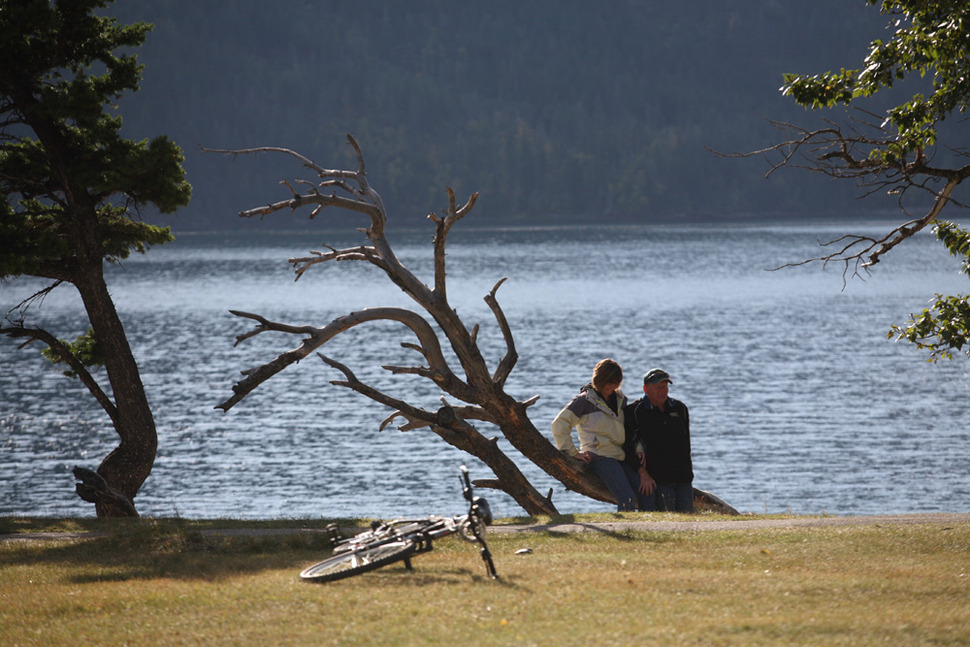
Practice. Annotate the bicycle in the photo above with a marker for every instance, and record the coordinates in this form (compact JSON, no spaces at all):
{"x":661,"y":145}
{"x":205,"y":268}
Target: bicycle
{"x":401,"y":539}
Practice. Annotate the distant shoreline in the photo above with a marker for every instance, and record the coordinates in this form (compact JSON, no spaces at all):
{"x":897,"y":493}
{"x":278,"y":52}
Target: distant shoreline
{"x":844,"y":218}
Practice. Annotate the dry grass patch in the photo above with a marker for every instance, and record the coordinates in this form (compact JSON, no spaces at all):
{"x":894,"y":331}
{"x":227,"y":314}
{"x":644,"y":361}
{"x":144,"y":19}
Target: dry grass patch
{"x":904,"y":585}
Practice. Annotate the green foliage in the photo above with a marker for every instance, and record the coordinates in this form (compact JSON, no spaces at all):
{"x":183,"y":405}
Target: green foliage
{"x":85,"y":348}
{"x":72,"y":185}
{"x":929,"y":39}
{"x":945,"y":326}
{"x":957,"y":241}
{"x":940,"y":329}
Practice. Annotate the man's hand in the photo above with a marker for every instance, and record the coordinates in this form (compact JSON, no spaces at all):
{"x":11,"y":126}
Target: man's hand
{"x":647,"y":484}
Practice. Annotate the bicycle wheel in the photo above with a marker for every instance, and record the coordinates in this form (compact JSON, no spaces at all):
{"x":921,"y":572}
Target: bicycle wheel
{"x":357,"y":562}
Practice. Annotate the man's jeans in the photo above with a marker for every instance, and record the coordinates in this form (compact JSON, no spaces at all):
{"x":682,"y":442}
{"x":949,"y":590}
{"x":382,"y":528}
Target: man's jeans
{"x":675,"y":497}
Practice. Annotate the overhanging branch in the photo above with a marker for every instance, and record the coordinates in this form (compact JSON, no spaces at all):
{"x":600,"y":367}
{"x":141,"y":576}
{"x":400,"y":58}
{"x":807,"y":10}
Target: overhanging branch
{"x":864,"y":151}
{"x":66,"y":356}
{"x":317,"y":337}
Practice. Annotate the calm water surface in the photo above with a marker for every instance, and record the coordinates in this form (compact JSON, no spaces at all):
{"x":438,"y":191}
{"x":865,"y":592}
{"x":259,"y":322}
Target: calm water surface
{"x":798,"y":402}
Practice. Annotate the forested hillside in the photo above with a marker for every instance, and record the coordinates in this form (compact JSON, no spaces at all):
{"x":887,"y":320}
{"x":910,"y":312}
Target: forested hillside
{"x":552,"y":109}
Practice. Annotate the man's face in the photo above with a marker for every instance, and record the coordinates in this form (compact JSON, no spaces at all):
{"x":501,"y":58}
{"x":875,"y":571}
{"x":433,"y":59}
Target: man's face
{"x":656,"y":393}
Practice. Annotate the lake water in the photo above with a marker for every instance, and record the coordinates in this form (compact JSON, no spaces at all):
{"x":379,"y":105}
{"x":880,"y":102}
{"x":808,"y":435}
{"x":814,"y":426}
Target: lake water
{"x":798,"y":401}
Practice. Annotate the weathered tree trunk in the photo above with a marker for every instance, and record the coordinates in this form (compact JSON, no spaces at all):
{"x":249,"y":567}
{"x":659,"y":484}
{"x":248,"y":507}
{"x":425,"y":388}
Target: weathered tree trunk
{"x":124,"y":469}
{"x":129,"y":464}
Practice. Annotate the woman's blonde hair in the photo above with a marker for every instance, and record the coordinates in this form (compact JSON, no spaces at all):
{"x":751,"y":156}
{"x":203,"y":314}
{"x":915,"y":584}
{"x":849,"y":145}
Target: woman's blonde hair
{"x":606,"y":371}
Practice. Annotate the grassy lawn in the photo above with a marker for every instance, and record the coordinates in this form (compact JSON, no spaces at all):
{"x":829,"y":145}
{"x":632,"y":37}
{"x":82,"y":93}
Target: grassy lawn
{"x":169,"y":582}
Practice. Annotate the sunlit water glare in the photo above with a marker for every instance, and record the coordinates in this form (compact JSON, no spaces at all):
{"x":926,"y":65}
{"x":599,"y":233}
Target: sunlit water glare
{"x":798,"y":401}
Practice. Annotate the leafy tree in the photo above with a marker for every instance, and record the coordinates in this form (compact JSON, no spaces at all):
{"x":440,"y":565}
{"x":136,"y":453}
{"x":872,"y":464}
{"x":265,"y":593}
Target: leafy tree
{"x":72,"y":186}
{"x":898,"y":151}
{"x":946,"y":326}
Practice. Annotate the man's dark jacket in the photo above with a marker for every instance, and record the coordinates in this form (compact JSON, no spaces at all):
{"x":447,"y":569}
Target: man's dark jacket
{"x":664,"y":437}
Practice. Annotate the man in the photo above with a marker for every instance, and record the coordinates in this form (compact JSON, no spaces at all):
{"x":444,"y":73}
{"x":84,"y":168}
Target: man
{"x":658,"y":433}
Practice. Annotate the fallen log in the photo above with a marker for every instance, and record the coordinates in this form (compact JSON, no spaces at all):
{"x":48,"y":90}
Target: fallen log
{"x":703,"y":501}
{"x":707,"y":502}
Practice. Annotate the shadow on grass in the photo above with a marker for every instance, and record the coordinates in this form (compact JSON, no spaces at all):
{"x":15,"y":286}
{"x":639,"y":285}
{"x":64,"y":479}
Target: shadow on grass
{"x":600,"y":524}
{"x":127,"y":549}
{"x":146,"y":550}
{"x":395,"y":576}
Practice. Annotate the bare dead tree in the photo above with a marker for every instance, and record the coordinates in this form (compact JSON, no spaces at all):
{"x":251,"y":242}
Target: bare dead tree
{"x":478,"y":393}
{"x":857,"y":152}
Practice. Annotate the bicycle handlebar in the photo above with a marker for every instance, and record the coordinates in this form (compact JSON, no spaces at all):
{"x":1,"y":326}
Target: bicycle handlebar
{"x":466,"y":483}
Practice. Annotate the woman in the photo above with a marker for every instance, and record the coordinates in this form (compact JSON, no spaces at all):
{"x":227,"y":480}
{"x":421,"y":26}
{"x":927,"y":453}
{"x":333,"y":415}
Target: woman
{"x":597,"y":415}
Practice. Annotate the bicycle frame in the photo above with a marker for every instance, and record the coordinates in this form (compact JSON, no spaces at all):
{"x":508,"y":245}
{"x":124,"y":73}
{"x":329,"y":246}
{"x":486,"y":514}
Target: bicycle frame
{"x":417,"y":533}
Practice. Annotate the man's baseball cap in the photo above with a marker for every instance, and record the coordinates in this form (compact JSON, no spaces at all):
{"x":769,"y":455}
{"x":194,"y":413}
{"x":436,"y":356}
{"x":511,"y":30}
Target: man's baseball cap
{"x":656,"y":376}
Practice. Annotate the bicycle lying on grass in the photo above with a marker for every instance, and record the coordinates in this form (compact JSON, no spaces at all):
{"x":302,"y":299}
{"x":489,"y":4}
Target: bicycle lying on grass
{"x":401,"y":539}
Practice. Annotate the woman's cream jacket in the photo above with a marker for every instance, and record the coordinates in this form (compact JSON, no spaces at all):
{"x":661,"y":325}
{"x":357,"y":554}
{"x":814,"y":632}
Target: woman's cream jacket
{"x":599,"y":429}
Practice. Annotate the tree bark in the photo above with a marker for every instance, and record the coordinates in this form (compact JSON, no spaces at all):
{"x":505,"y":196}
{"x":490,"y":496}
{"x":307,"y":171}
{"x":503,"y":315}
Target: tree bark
{"x":126,"y":467}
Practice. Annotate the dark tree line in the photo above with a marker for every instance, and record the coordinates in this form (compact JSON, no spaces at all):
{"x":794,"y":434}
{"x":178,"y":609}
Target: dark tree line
{"x":548,"y":109}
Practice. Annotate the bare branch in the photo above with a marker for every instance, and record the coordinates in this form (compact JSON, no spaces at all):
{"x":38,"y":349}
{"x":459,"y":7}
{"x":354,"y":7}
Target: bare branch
{"x":316,"y":337}
{"x":267,"y":325}
{"x":410,"y":424}
{"x":867,"y":153}
{"x":449,"y":423}
{"x":367,"y":192}
{"x":363,"y":199}
{"x":442,"y":226}
{"x":531,"y":401}
{"x":911,"y":229}
{"x":862,"y":252}
{"x":276,"y":149}
{"x":351,"y":382}
{"x":360,"y":253}
{"x":319,"y":199}
{"x":859,"y":153}
{"x":504,"y":368}
{"x":466,"y":413}
{"x":66,"y":356}
{"x":37,"y":297}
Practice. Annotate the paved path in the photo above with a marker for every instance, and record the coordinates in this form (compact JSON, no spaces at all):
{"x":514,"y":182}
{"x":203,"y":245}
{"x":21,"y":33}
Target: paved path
{"x":743,"y":524}
{"x":695,"y":525}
